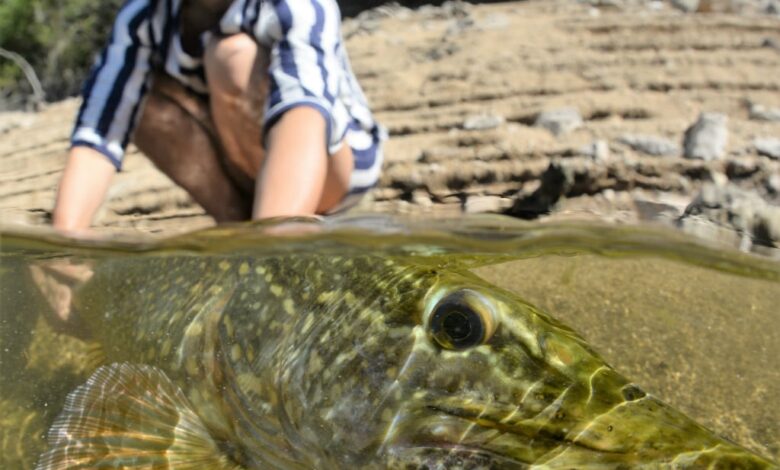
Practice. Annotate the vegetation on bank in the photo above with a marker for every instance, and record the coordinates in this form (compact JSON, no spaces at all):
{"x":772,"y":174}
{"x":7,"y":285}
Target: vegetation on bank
{"x":59,"y":39}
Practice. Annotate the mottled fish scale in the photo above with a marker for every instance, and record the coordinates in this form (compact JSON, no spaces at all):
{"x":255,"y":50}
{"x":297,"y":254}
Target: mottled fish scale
{"x":328,"y":362}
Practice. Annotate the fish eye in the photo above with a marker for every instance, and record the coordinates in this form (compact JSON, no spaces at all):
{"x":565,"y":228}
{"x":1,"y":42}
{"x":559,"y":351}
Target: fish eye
{"x":461,"y":321}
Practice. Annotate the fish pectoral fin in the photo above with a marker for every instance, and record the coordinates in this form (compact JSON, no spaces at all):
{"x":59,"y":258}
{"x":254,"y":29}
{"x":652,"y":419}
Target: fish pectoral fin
{"x":96,"y":355}
{"x":130,"y":416}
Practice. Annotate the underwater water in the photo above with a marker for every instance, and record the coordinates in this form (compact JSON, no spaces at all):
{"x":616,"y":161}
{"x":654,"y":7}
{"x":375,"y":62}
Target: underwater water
{"x":695,"y":326}
{"x":707,"y":342}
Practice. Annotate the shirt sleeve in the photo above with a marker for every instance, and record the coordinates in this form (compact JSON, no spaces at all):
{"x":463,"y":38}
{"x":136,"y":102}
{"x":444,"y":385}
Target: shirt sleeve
{"x":117,"y":84}
{"x":304,"y":38}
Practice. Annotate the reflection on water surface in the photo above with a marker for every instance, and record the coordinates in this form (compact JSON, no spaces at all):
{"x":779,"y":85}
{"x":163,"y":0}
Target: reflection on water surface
{"x":695,"y":326}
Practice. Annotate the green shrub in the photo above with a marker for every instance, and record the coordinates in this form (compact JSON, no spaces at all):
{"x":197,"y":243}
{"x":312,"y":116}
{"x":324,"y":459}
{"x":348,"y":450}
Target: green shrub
{"x":58,"y":37}
{"x":61,"y":37}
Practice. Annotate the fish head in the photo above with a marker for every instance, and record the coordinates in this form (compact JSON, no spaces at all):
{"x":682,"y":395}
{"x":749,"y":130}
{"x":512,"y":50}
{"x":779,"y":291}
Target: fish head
{"x":436,"y":368}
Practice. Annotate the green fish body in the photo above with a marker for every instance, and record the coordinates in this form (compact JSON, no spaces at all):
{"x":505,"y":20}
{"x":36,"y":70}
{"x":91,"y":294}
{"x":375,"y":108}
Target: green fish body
{"x":306,"y":361}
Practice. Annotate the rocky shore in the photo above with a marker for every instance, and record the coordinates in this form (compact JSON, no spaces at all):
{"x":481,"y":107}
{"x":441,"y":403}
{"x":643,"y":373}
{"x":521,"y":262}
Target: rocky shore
{"x":628,"y":111}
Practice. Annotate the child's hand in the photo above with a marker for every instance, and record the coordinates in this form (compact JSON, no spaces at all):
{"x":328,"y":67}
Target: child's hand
{"x":57,"y":279}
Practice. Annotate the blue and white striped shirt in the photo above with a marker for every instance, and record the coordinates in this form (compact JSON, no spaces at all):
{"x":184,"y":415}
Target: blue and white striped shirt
{"x":308,"y":66}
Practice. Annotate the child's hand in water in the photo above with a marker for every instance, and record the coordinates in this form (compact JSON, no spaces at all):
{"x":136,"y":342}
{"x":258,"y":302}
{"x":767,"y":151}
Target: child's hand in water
{"x":57,"y":279}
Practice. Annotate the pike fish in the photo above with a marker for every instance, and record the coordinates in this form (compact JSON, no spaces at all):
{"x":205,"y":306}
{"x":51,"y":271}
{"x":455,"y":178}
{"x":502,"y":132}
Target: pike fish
{"x":313,"y":361}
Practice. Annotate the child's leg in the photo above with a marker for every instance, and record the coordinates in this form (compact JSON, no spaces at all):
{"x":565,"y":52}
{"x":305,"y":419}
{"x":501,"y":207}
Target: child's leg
{"x":294,"y":175}
{"x":174,"y":133}
{"x":236,"y":69}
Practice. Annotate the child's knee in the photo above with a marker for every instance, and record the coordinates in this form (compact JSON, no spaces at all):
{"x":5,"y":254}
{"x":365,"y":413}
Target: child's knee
{"x":230,"y":62}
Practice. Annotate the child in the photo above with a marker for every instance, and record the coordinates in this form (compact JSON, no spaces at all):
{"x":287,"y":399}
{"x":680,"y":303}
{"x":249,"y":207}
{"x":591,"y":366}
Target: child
{"x":250,"y":105}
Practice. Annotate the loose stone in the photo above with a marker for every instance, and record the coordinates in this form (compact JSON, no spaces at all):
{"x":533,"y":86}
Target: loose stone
{"x":479,"y":204}
{"x":773,"y":184}
{"x":688,"y":6}
{"x":768,"y":147}
{"x":559,"y":121}
{"x":739,"y":211}
{"x":759,"y":112}
{"x":706,"y":139}
{"x":650,"y":144}
{"x":482,"y":122}
{"x":598,"y":150}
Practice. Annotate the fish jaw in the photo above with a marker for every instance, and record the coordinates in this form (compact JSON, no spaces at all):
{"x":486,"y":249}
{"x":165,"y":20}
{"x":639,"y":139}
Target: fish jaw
{"x":656,"y":436}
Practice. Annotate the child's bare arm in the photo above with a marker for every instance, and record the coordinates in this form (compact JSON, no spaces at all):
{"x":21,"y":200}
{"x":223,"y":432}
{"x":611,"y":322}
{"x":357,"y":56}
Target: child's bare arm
{"x":82,"y":189}
{"x":293,"y":174}
{"x":303,"y":133}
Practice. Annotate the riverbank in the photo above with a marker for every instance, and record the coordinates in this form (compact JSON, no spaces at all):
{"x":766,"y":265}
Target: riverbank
{"x":538,"y":109}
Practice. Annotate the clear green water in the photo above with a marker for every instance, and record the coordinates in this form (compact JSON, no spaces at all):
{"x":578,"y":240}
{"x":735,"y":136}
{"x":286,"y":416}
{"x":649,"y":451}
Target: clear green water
{"x":699,"y":327}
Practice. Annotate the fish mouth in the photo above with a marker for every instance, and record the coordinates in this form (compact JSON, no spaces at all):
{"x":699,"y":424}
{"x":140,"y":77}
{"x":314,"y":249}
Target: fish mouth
{"x":491,"y":436}
{"x":448,"y":455}
{"x":436,"y":437}
{"x":444,"y":436}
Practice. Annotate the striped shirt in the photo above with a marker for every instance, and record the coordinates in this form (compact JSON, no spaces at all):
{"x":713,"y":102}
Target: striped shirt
{"x":308,"y":66}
